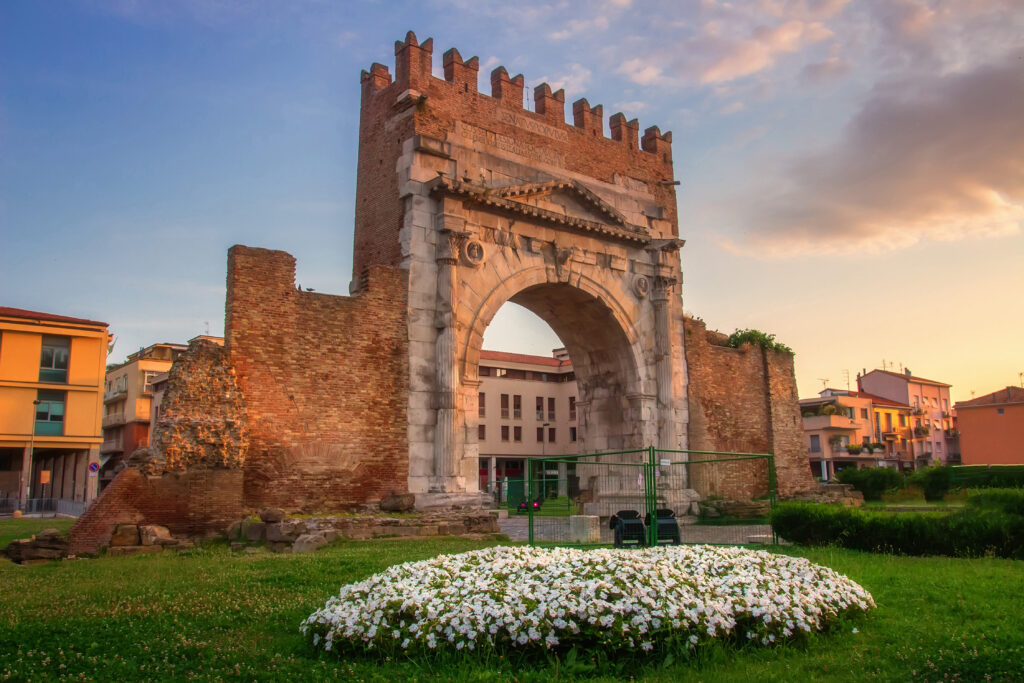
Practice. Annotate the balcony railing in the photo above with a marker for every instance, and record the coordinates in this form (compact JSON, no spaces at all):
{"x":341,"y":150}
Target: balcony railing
{"x":830,"y":422}
{"x":115,"y":395}
{"x":922,"y":431}
{"x":113,"y":420}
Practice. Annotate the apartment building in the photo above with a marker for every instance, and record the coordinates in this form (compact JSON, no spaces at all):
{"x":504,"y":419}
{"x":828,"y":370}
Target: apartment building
{"x":128,"y":391}
{"x":932,"y":436}
{"x":527,"y":409}
{"x":992,"y":428}
{"x":51,"y":396}
{"x":834,"y":422}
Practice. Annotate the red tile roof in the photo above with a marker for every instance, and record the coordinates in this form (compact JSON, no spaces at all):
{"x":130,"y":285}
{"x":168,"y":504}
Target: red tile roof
{"x":52,"y":317}
{"x":1007,"y":395}
{"x":912,"y":378}
{"x":504,"y":357}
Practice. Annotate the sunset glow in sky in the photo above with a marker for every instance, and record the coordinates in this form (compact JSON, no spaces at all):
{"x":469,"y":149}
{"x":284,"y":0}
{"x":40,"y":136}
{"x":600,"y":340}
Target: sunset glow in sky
{"x":851,"y":171}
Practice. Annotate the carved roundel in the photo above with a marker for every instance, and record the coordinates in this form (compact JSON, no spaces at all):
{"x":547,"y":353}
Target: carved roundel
{"x":473,"y":253}
{"x":641,"y":286}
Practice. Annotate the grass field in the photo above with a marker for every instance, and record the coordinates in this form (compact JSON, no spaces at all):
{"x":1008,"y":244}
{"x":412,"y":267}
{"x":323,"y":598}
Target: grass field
{"x":211,"y":614}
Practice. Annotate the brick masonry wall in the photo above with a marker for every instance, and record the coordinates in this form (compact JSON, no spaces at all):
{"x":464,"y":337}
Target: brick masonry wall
{"x":743,"y":400}
{"x":325,"y":380}
{"x":189,"y":504}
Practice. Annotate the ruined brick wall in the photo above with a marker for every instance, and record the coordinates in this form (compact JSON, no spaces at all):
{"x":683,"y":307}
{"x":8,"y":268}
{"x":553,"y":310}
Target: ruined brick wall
{"x":743,"y":400}
{"x":189,"y":504}
{"x":325,"y":380}
{"x":417,"y":103}
{"x":202,"y":415}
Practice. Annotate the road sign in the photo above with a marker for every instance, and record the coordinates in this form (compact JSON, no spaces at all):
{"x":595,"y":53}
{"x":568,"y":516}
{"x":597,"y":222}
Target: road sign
{"x":94,"y":467}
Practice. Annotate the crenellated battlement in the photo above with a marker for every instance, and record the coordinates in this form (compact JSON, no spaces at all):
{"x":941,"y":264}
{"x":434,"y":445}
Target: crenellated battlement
{"x":414,"y":72}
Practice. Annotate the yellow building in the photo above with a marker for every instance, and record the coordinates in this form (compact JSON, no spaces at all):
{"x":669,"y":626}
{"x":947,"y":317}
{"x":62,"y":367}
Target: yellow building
{"x":51,"y":399}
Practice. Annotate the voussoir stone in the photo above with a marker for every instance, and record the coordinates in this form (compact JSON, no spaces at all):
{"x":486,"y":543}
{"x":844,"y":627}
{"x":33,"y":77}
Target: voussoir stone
{"x":272,"y":515}
{"x":307,"y":543}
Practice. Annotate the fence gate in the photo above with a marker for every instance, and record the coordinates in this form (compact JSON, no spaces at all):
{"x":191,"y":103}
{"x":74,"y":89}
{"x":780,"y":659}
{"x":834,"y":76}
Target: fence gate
{"x":641,"y":497}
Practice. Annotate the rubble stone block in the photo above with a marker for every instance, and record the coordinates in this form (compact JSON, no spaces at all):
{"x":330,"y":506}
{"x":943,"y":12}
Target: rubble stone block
{"x":307,"y":543}
{"x":153,"y":534}
{"x":125,"y":535}
{"x":272,"y":515}
{"x":254,"y":531}
{"x":584,"y":528}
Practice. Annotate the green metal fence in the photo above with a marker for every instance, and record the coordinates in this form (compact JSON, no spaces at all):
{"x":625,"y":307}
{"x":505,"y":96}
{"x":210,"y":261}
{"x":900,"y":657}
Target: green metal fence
{"x":591,"y":499}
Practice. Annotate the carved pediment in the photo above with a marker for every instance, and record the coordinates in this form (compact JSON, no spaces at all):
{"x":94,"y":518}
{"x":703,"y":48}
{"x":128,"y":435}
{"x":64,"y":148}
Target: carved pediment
{"x":561,"y":202}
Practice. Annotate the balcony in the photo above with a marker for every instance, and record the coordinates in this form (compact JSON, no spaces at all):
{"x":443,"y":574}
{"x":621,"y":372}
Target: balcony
{"x":916,"y":411}
{"x":113,"y":420}
{"x":113,"y":446}
{"x":830,"y":422}
{"x":115,"y":395}
{"x":922,"y":431}
{"x":952,"y":433}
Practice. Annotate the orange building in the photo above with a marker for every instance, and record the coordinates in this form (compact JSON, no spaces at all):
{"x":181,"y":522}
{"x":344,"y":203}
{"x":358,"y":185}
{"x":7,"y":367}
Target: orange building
{"x":992,"y":428}
{"x":51,"y":395}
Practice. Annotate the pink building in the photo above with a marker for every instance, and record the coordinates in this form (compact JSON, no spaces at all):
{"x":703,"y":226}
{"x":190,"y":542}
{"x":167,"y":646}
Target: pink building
{"x":933,"y":439}
{"x":992,"y":428}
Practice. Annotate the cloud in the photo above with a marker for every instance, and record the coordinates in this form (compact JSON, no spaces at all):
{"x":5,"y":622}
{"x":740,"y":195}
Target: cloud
{"x":632,"y":107}
{"x":577,"y":26}
{"x":832,"y":69}
{"x":574,"y":80}
{"x":640,"y":71}
{"x":936,"y":158}
{"x":762,"y":49}
{"x":732,"y":108}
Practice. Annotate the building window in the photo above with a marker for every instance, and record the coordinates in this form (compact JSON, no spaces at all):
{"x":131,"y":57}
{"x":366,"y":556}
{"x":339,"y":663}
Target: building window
{"x":551,"y":434}
{"x":481,"y":401}
{"x":572,"y":433}
{"x":481,"y":432}
{"x":903,"y":420}
{"x":485,"y":372}
{"x":551,"y":408}
{"x":53,"y":361}
{"x":540,"y":408}
{"x":504,"y":407}
{"x":572,"y":409}
{"x":504,"y":432}
{"x":540,"y":434}
{"x":938,"y":446}
{"x":50,"y":413}
{"x":945,"y":405}
{"x":517,"y":407}
{"x":517,"y":433}
{"x":999,"y":411}
{"x":500,"y":372}
{"x":147,"y":381}
{"x":815,"y":443}
{"x":864,"y":413}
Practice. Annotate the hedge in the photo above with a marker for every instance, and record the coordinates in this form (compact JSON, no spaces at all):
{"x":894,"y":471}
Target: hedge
{"x":991,"y":523}
{"x":871,"y":481}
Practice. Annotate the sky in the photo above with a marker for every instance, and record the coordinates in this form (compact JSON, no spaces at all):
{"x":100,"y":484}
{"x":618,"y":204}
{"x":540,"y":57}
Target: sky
{"x":851,"y":175}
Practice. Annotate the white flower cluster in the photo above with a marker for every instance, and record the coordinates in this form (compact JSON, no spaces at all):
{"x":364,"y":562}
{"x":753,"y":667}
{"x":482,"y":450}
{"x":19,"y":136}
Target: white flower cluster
{"x":546,"y":597}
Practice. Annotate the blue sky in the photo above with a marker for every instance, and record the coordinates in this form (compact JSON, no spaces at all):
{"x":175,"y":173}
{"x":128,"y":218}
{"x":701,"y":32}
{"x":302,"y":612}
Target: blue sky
{"x":851,"y":175}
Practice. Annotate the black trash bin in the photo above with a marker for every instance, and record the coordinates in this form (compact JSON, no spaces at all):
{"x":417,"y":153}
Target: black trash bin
{"x":628,"y":529}
{"x":668,"y":526}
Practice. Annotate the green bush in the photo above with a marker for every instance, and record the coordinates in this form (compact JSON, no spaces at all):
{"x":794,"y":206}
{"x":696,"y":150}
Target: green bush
{"x":934,"y":481}
{"x":973,"y":532}
{"x":984,"y":476}
{"x":1006,"y":500}
{"x":758,"y":338}
{"x":871,"y":481}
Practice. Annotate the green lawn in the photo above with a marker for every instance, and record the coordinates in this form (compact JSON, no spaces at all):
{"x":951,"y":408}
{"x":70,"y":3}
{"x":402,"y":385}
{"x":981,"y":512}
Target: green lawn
{"x":211,"y":614}
{"x":11,"y":529}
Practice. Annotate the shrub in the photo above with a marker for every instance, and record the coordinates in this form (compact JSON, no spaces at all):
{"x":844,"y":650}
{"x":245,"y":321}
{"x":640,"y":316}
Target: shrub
{"x":972,"y":532}
{"x":878,"y":446}
{"x":983,"y":476}
{"x":934,"y":481}
{"x":854,"y":449}
{"x":1005,"y":500}
{"x":758,"y":338}
{"x":871,"y":481}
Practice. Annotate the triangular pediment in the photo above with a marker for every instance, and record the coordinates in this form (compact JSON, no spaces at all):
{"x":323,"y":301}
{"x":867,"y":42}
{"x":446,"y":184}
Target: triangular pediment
{"x":564,"y":203}
{"x":565,"y":197}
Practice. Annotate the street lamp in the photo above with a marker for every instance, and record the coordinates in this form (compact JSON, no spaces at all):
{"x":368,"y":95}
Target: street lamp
{"x":26,"y":487}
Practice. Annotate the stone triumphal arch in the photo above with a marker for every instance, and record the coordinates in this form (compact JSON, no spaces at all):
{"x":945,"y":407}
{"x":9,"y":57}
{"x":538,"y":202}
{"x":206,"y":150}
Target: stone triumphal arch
{"x":484,"y":202}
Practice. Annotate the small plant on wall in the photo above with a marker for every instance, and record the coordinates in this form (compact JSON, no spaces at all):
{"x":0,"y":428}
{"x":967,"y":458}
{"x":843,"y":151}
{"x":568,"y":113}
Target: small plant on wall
{"x":758,"y":338}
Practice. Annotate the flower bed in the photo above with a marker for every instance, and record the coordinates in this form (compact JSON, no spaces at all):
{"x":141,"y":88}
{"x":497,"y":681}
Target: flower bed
{"x":505,"y":598}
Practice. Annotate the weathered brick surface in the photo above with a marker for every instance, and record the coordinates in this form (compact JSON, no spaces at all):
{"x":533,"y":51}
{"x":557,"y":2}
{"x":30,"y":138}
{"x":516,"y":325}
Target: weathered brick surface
{"x":743,"y":400}
{"x":325,"y":380}
{"x":191,"y":503}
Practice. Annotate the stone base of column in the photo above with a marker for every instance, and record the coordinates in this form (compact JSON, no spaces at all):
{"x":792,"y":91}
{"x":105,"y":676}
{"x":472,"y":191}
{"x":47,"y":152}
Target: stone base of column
{"x":448,"y":501}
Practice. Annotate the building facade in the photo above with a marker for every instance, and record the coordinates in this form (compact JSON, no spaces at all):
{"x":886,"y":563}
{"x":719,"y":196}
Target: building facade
{"x":932,"y":436}
{"x":992,"y":428}
{"x":51,"y":397}
{"x":127,"y":410}
{"x":526,"y":409}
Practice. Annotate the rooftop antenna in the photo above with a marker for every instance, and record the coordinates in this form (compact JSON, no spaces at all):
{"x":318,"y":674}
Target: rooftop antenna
{"x":1020,"y":377}
{"x":207,"y":327}
{"x":846,"y":374}
{"x":885,"y":366}
{"x":824,"y":382}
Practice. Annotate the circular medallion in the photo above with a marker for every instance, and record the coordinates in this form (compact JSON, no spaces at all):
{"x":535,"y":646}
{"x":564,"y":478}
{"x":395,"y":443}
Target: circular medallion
{"x":473,"y":253}
{"x":641,"y":286}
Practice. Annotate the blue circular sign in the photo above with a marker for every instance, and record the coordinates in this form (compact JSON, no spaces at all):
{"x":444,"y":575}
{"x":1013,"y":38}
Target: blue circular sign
{"x":94,"y":467}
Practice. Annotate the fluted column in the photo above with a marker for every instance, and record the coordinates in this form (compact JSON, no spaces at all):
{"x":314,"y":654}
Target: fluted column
{"x":445,"y":363}
{"x":663,"y":359}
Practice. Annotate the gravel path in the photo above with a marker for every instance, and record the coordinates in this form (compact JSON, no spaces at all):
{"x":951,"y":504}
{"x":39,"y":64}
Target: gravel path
{"x":557,"y":529}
